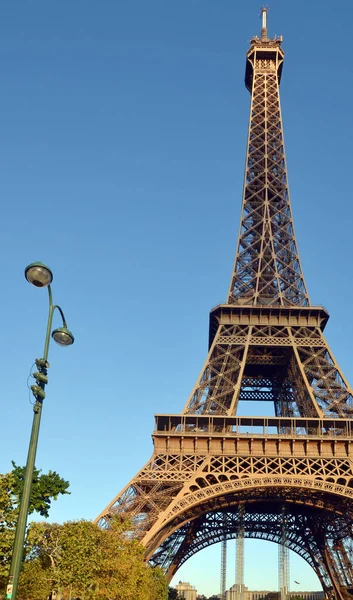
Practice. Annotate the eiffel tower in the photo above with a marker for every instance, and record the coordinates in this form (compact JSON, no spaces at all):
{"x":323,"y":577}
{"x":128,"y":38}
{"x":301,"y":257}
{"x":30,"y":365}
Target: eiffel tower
{"x":212,"y":468}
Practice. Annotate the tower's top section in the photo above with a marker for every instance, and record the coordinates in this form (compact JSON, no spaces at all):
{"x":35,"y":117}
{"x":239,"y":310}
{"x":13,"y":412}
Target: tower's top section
{"x":264,"y":23}
{"x":263,"y":48}
{"x":267,"y":270}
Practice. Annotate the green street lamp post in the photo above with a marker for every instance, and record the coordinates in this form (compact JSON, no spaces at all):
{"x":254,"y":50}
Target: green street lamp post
{"x":38,"y":275}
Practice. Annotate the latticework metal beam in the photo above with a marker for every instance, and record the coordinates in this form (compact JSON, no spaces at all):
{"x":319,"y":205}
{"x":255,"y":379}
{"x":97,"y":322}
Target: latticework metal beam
{"x":239,"y":581}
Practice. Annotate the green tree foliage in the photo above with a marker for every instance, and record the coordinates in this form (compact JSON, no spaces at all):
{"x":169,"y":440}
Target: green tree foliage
{"x":45,"y":488}
{"x":34,"y":580}
{"x":79,"y":560}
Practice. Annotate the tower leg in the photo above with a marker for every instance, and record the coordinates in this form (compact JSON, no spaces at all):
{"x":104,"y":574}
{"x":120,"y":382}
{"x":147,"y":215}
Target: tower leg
{"x":223,"y":569}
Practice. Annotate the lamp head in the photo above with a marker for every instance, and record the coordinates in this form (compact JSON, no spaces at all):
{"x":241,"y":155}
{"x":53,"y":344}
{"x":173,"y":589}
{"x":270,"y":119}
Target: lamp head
{"x":63,"y":336}
{"x":38,"y":274}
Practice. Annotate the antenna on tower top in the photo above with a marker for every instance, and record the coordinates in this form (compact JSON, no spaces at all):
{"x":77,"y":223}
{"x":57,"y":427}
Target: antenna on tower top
{"x":264,"y":10}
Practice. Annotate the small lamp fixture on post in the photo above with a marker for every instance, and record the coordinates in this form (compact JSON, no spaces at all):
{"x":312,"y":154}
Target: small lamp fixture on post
{"x":38,"y":275}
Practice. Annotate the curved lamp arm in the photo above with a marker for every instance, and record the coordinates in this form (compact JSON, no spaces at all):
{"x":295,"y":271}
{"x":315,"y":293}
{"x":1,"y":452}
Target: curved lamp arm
{"x":61,"y":335}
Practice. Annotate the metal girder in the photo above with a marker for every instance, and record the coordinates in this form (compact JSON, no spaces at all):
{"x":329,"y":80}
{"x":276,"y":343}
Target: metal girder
{"x":223,"y":569}
{"x":283,"y":558}
{"x":302,"y":377}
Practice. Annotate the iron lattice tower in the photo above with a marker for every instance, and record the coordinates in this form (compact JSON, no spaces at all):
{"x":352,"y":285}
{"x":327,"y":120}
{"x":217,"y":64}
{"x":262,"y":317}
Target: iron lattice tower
{"x":266,"y":344}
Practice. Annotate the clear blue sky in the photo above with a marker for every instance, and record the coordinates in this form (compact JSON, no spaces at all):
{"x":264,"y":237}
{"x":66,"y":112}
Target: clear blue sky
{"x":122,"y":149}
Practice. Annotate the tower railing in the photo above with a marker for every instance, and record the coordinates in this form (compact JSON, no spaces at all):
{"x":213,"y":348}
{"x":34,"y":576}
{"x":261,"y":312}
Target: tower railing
{"x":200,"y":425}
